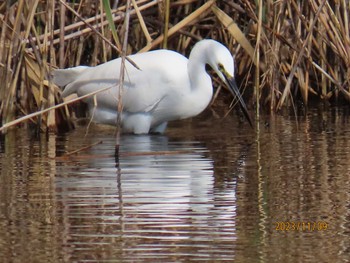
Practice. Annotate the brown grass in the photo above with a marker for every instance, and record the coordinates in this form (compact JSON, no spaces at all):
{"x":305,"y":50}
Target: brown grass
{"x":285,"y":51}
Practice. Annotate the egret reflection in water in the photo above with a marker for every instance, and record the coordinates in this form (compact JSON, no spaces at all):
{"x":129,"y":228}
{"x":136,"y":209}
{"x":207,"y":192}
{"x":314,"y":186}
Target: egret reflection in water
{"x":168,"y":178}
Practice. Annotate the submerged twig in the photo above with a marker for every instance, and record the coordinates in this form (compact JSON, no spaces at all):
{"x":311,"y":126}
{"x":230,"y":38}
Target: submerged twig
{"x":121,"y":154}
{"x":80,"y":149}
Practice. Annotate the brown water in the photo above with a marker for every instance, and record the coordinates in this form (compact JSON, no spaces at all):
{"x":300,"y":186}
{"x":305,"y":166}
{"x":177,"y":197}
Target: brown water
{"x":209,"y":190}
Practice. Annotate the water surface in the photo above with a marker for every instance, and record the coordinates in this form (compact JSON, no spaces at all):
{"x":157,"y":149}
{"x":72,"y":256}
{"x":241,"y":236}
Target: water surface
{"x":210,"y":189}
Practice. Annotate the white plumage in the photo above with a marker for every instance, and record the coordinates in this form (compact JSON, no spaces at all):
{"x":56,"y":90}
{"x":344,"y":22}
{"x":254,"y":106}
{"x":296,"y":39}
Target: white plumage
{"x":167,"y":87}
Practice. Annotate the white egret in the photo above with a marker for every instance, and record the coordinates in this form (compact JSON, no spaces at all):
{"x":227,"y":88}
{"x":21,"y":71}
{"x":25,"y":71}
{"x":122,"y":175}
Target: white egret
{"x":167,"y":87}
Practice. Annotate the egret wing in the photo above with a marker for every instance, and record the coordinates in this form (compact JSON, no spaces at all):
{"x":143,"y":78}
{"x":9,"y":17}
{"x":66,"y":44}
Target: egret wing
{"x":161,"y":73}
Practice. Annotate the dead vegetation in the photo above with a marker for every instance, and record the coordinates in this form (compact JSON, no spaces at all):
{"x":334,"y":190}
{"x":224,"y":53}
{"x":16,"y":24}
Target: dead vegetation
{"x":285,"y":50}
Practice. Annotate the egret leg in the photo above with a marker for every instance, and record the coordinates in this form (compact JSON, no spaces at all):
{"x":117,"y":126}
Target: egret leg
{"x":104,"y":116}
{"x":160,"y":128}
{"x":138,"y":123}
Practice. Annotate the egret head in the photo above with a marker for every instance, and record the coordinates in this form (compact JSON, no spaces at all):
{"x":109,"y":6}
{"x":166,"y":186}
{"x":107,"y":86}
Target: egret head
{"x":222,"y":62}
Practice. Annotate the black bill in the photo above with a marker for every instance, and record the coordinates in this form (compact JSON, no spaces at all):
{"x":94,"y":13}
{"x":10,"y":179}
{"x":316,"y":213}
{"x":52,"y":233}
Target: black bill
{"x":235,"y":91}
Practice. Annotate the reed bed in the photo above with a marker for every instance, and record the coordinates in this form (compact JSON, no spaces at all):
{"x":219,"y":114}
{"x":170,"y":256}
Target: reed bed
{"x":286,"y":51}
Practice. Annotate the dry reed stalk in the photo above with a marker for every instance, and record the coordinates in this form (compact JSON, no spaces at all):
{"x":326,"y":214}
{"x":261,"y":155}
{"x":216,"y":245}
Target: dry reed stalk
{"x":92,"y":28}
{"x":105,"y":50}
{"x":257,"y":63}
{"x":185,"y":22}
{"x":3,"y":72}
{"x":61,"y":35}
{"x":166,"y":23}
{"x":304,"y":50}
{"x":235,"y":31}
{"x":9,"y":110}
{"x":142,"y":22}
{"x":51,"y":118}
{"x":298,"y":57}
{"x":98,"y":33}
{"x":76,"y":27}
{"x":121,"y":79}
{"x":41,"y":112}
{"x":111,"y":24}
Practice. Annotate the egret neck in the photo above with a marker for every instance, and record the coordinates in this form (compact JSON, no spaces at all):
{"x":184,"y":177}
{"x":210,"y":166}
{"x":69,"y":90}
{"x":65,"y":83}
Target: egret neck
{"x":201,"y":83}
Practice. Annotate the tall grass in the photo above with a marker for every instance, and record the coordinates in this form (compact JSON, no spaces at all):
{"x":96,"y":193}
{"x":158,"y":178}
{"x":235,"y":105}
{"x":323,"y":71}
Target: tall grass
{"x":286,"y":51}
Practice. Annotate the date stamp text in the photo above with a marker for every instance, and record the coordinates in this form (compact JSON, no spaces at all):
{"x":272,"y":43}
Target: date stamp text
{"x":303,"y":226}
